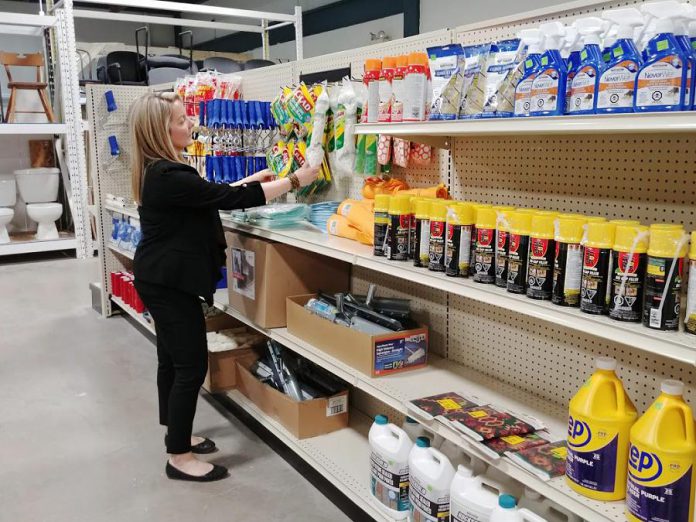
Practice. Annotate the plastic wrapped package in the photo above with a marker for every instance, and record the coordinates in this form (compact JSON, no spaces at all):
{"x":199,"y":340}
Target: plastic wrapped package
{"x":447,"y":66}
{"x":315,"y":150}
{"x":401,"y":152}
{"x":344,"y":123}
{"x":421,"y":155}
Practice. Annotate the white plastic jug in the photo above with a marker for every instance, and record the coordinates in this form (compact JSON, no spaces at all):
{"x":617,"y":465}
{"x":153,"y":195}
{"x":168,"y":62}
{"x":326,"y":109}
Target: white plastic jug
{"x":542,"y":506}
{"x":507,"y":511}
{"x":389,"y":473}
{"x":413,"y":428}
{"x":507,"y":484}
{"x":472,"y":497}
{"x":431,"y":475}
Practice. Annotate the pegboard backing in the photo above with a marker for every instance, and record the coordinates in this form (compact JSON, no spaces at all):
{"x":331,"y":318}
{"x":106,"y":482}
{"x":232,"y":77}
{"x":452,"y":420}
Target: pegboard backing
{"x":265,"y":83}
{"x":646,"y":177}
{"x":547,"y":360}
{"x":429,"y":305}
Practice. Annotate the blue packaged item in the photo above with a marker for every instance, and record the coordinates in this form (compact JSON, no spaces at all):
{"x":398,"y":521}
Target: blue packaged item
{"x":662,"y":83}
{"x":475,"y":58}
{"x":447,"y":64}
{"x":616,"y":92}
{"x":575,"y":46}
{"x":549,"y":87}
{"x":115,"y":222}
{"x":504,"y":70}
{"x":685,"y":42}
{"x":585,"y":84}
{"x":532,"y":38}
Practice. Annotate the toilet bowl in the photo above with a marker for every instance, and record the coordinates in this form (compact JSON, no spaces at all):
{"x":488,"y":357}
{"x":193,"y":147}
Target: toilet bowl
{"x":8,"y":199}
{"x":39,"y":188}
{"x":45,"y":214}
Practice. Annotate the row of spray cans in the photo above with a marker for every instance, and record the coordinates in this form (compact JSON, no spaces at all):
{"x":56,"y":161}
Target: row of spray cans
{"x":618,"y":268}
{"x":416,"y":476}
{"x":613,"y":454}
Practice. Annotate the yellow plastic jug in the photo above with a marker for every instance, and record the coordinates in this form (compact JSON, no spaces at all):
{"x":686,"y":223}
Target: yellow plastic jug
{"x":661,"y":460}
{"x":599,"y":424}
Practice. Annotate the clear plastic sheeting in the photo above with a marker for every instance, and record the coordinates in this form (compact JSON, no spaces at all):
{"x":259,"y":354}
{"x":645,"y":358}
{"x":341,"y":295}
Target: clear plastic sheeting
{"x":282,"y":215}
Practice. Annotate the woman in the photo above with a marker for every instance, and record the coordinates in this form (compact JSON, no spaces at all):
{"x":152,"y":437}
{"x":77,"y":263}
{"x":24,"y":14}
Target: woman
{"x":178,"y":262}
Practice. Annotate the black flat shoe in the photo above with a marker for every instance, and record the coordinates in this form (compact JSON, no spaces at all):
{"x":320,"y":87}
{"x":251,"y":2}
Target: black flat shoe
{"x":217,"y":473}
{"x":202,"y":448}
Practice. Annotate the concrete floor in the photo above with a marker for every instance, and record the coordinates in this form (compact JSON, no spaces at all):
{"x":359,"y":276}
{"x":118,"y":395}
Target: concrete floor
{"x":79,"y":438}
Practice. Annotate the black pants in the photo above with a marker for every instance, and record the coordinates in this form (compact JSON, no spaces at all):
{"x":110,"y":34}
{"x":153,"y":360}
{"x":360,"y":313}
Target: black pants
{"x":182,"y":352}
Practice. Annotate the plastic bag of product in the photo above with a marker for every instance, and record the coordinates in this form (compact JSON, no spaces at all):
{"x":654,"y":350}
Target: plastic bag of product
{"x":229,"y":87}
{"x":421,"y":155}
{"x":299,"y":155}
{"x":279,"y":109}
{"x":401,"y":152}
{"x":344,"y":123}
{"x":301,"y":108}
{"x":384,"y":149}
{"x":315,"y":149}
{"x":473,"y":81}
{"x":331,"y":119}
{"x":447,"y":64}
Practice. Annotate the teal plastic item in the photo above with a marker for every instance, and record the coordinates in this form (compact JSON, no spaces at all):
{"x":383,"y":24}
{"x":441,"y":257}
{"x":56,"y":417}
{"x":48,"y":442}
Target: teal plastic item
{"x":618,"y":80}
{"x":506,"y":501}
{"x":667,"y":63}
{"x":423,"y":442}
{"x":584,"y":90}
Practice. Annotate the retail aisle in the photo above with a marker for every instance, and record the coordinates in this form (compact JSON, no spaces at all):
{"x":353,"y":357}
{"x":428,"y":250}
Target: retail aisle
{"x":79,"y":439}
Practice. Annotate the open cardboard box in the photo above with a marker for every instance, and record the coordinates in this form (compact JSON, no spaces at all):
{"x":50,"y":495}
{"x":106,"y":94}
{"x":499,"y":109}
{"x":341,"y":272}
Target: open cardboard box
{"x":261,"y":274}
{"x":304,"y":419}
{"x":372,"y":355}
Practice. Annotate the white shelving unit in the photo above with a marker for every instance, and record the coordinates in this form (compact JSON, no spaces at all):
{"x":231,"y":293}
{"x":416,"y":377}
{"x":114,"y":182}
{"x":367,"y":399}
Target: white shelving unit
{"x":443,"y":376}
{"x":129,"y":211}
{"x":125,"y":253}
{"x":344,"y":453}
{"x":30,"y":247}
{"x":150,"y":327}
{"x":32,"y":129}
{"x":678,"y":346}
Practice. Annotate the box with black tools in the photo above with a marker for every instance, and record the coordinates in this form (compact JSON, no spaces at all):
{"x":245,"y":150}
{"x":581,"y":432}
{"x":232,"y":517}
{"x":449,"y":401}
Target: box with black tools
{"x":306,"y":399}
{"x":375,"y":344}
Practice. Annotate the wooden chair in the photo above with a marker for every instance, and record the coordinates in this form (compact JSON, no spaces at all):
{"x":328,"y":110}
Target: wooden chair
{"x":27,"y":60}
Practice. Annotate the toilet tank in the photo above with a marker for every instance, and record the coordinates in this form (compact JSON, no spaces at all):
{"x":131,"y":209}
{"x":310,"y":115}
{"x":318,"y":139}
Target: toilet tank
{"x":8,"y":190}
{"x":38,"y":185}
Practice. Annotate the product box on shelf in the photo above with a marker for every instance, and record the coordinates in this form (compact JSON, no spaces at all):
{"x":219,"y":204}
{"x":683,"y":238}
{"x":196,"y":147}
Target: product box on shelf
{"x":261,"y":274}
{"x":304,"y":419}
{"x":376,"y":355}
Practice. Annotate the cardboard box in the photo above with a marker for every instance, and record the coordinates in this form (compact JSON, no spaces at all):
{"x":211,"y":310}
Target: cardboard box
{"x":261,"y":274}
{"x":372,"y":355}
{"x":222,"y":369}
{"x":303,"y":419}
{"x":221,"y":321}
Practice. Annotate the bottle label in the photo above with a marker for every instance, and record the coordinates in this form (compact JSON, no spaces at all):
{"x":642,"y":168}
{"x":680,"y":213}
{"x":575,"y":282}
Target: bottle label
{"x":424,"y":242}
{"x":372,"y":101}
{"x":501,"y":259}
{"x":414,"y":96}
{"x":436,"y":251}
{"x":626,"y":301}
{"x":389,"y":482}
{"x":690,"y":321}
{"x":398,"y":238}
{"x":667,"y":316}
{"x":594,"y":287}
{"x":545,"y":91}
{"x":385,"y":99}
{"x":567,"y":273}
{"x":540,"y":275}
{"x":427,"y":503}
{"x":484,"y":260}
{"x":592,"y":454}
{"x":617,"y":86}
{"x":659,"y":487}
{"x":523,"y":96}
{"x":582,"y":94}
{"x":569,"y":87}
{"x":340,"y":124}
{"x":660,"y":83}
{"x":397,"y":111}
{"x":452,"y":245}
{"x":518,"y":254}
{"x":381,"y":226}
{"x":465,"y":513}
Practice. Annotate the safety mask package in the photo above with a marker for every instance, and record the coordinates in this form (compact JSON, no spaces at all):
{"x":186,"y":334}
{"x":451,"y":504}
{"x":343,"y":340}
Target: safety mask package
{"x":475,"y":58}
{"x":447,"y":64}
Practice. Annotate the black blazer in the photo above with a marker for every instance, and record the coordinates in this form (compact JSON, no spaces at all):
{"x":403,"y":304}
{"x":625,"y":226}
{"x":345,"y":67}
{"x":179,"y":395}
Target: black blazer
{"x":183,"y":244}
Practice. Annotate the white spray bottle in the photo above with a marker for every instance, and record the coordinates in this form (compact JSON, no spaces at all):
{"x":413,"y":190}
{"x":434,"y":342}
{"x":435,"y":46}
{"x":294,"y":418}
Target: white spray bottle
{"x":549,"y":86}
{"x":532,"y":39}
{"x":573,"y":44}
{"x":583,"y":93}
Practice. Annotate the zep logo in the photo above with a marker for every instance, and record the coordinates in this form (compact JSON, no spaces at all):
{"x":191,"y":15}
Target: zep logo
{"x":643,"y":465}
{"x":579,"y":433}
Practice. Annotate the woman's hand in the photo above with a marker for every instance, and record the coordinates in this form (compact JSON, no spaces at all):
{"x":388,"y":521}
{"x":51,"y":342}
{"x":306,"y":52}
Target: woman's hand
{"x":261,"y":176}
{"x":307,"y":174}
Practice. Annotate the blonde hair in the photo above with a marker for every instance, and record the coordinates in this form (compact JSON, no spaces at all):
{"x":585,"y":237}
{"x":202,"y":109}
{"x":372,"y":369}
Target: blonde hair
{"x":150,"y":120}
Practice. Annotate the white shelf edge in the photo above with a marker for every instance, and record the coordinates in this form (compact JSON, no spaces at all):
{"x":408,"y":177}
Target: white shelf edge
{"x":306,"y":447}
{"x":678,"y":346}
{"x":634,"y":123}
{"x":27,"y":20}
{"x":38,"y":129}
{"x":124,"y":253}
{"x":126,"y":211}
{"x":31,"y":247}
{"x":379,"y":388}
{"x":138,"y":317}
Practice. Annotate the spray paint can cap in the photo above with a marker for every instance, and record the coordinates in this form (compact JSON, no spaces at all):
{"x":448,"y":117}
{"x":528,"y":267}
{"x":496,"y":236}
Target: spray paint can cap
{"x":665,"y":241}
{"x":626,"y":237}
{"x":485,"y":217}
{"x":569,"y":229}
{"x":600,"y":235}
{"x":520,"y":222}
{"x":382,"y":202}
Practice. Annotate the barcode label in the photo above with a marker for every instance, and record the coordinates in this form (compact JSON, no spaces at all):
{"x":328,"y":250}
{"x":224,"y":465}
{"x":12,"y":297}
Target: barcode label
{"x":337,"y":405}
{"x":655,"y":317}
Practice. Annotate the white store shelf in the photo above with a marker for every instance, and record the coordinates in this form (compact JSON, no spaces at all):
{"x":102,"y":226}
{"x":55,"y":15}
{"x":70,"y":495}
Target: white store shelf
{"x":32,"y":129}
{"x":150,"y":327}
{"x":130,"y":211}
{"x":342,"y":457}
{"x":25,"y":24}
{"x":592,"y":124}
{"x":125,"y":253}
{"x":31,"y":246}
{"x":678,"y":346}
{"x":443,"y":376}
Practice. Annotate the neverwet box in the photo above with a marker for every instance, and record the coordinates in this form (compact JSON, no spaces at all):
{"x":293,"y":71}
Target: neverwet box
{"x":375,"y":355}
{"x":261,"y":274}
{"x":304,"y":419}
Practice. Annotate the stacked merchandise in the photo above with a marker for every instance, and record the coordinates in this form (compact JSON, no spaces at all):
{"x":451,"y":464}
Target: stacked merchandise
{"x":320,"y":213}
{"x":123,"y":288}
{"x":125,"y":232}
{"x":233,"y":339}
{"x":278,"y":215}
{"x":619,"y":268}
{"x":205,"y":86}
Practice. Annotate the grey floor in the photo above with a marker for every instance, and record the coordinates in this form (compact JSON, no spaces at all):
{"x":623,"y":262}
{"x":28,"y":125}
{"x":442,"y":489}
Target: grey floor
{"x":79,"y":440}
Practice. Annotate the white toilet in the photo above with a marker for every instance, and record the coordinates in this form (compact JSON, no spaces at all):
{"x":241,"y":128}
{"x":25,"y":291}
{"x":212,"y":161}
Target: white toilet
{"x":8,"y":199}
{"x":39,"y":189}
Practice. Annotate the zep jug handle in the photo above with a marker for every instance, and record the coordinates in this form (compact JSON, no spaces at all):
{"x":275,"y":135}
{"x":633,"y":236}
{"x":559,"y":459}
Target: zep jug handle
{"x":529,"y":516}
{"x":397,"y":433}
